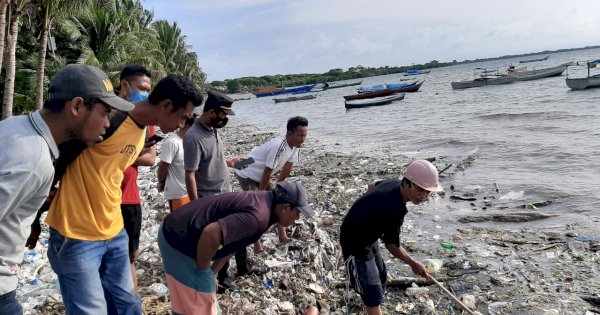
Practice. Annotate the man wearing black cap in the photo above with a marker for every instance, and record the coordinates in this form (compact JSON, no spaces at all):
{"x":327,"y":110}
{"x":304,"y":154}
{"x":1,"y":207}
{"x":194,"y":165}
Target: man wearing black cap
{"x":79,"y":100}
{"x":206,"y":169}
{"x":199,"y":238}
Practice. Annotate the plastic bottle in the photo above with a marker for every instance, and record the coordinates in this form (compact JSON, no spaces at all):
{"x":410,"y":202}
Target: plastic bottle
{"x":447,"y":245}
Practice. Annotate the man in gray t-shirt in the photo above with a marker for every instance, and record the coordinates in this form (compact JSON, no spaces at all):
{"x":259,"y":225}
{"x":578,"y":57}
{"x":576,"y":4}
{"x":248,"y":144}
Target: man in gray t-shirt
{"x":206,"y":169}
{"x":80,"y":98}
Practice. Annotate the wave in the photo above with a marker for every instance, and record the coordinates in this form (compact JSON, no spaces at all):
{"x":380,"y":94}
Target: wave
{"x":529,"y":115}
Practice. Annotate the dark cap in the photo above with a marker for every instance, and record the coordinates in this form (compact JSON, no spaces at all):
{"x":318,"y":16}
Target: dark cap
{"x":87,"y":82}
{"x":294,"y":194}
{"x":220,"y":101}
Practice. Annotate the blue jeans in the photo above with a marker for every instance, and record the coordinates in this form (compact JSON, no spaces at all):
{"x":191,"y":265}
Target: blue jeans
{"x":9,"y":304}
{"x":94,"y":276}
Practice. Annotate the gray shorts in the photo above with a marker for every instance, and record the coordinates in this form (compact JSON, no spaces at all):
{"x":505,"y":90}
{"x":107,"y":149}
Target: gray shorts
{"x":367,"y":277}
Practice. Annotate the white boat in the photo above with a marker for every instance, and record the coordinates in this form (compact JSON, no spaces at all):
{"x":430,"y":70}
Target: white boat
{"x":483,"y":81}
{"x":526,"y":75}
{"x":592,"y":80}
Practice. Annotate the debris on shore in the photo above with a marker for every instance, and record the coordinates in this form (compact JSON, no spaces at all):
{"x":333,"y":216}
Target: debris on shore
{"x":498,"y":268}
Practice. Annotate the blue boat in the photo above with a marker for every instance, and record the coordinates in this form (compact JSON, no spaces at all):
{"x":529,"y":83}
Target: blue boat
{"x":272,"y":91}
{"x":415,"y":72}
{"x":299,"y":89}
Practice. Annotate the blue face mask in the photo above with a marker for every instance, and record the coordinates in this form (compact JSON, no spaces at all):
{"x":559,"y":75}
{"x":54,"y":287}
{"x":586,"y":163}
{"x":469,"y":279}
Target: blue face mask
{"x":136,"y":96}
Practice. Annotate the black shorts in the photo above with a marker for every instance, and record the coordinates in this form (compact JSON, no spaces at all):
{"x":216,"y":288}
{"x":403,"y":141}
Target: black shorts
{"x":132,"y":218}
{"x":367,"y":277}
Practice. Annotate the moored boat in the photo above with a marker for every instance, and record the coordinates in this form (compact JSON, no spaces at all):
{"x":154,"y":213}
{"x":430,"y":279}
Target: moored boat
{"x":526,"y":75}
{"x":534,"y":59}
{"x":268,"y":91}
{"x":415,"y":72}
{"x":483,"y":81}
{"x":374,"y":101}
{"x":383,"y":92}
{"x":334,"y":85}
{"x":591,"y":80}
{"x":295,"y":98}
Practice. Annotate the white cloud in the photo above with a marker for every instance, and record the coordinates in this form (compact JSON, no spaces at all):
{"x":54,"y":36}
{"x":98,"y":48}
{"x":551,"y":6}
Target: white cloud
{"x":255,"y":37}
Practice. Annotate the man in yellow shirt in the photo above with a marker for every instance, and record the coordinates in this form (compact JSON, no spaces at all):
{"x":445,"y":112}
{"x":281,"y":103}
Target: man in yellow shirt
{"x":88,"y":247}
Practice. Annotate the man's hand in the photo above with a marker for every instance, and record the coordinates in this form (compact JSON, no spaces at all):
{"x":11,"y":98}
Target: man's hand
{"x":419,"y":269}
{"x":34,"y":235}
{"x":231,"y":163}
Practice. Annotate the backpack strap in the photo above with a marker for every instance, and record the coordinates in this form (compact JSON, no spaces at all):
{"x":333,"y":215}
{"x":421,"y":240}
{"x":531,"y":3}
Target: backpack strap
{"x":71,"y":149}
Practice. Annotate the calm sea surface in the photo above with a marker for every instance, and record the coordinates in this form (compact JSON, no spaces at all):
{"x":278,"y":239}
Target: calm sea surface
{"x":535,"y":136}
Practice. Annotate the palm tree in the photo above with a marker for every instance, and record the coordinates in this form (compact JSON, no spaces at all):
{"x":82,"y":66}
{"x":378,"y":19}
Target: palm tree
{"x":3,"y":6}
{"x":109,"y":39}
{"x":174,"y":55}
{"x":15,"y":11}
{"x":48,"y":12}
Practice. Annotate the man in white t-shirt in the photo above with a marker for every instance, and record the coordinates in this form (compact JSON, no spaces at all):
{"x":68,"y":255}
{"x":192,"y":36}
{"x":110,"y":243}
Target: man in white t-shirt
{"x":277,"y":155}
{"x":171,"y":171}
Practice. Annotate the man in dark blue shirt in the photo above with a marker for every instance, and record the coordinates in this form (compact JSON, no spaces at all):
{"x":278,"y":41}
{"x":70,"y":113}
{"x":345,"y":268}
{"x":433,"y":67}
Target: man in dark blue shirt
{"x":379,"y":214}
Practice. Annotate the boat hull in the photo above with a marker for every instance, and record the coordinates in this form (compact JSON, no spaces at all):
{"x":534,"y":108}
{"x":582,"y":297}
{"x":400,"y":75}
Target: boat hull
{"x":294,"y":98}
{"x":459,"y":85}
{"x":374,"y":101}
{"x":539,"y":74}
{"x":583,"y":83}
{"x":384,"y":92}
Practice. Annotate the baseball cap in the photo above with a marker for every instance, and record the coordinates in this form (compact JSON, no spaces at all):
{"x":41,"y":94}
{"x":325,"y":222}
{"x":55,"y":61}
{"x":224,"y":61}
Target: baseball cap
{"x":218,"y":100}
{"x":79,"y":80}
{"x":294,"y":194}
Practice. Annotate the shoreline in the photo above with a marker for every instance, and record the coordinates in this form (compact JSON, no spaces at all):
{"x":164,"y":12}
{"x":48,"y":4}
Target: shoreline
{"x":503,"y":268}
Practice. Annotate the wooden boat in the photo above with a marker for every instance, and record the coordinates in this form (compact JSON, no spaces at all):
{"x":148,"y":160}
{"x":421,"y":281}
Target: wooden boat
{"x":534,"y":59}
{"x":389,"y":90}
{"x":587,"y":82}
{"x":333,"y":85}
{"x":415,"y":72}
{"x":374,"y":101}
{"x":295,"y":98}
{"x":299,"y":89}
{"x":272,"y":91}
{"x":526,"y":75}
{"x":390,"y":86}
{"x":385,"y":92}
{"x":483,"y":77}
{"x":268,"y":91}
{"x":483,"y":81}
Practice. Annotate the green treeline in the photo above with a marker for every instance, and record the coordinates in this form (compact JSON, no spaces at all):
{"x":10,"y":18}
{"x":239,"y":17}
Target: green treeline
{"x":248,"y":84}
{"x":107,"y":34}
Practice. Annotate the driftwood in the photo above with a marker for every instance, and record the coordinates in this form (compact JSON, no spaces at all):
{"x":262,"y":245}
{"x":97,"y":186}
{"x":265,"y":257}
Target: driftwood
{"x":507,"y":217}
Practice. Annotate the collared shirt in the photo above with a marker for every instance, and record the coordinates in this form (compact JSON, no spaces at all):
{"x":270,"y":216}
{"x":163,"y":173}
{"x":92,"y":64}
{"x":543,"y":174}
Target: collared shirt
{"x":273,"y":154}
{"x":203,"y":152}
{"x":26,"y":173}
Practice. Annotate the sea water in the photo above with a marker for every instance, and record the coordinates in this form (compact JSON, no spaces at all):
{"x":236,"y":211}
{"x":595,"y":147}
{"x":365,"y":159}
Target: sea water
{"x":536,"y":137}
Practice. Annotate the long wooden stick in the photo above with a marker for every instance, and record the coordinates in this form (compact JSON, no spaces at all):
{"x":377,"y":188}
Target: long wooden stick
{"x":450,"y":295}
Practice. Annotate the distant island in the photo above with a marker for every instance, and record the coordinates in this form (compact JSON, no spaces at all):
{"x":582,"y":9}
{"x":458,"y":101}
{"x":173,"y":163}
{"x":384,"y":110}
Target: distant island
{"x":248,"y":84}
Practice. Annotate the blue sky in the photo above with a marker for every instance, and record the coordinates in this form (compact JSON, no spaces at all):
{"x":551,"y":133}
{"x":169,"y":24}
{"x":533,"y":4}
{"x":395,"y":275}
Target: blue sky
{"x":263,"y":37}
